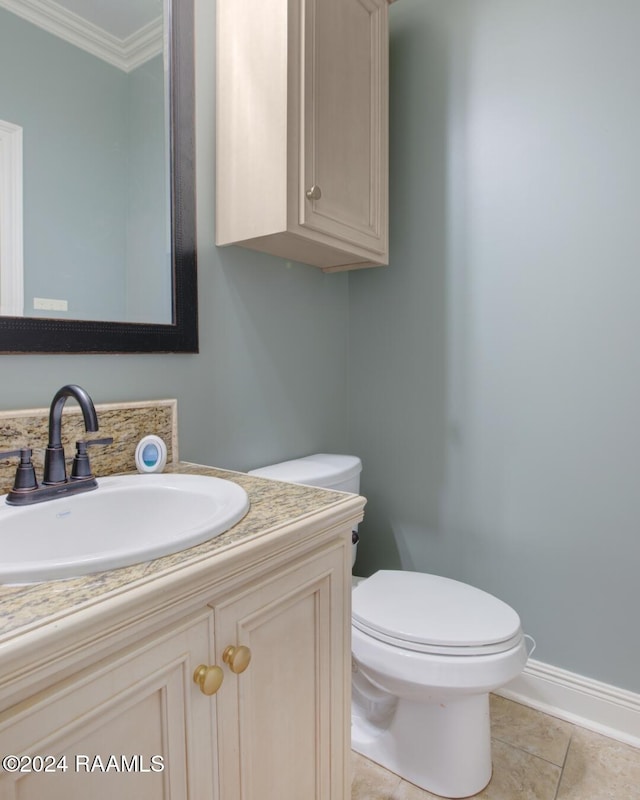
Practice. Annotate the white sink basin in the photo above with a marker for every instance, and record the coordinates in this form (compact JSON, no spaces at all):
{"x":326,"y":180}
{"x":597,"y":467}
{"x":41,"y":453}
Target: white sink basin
{"x":126,"y":520}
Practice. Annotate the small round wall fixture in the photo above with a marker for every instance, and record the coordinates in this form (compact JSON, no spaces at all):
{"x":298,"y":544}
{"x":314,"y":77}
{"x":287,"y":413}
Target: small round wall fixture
{"x":151,"y":454}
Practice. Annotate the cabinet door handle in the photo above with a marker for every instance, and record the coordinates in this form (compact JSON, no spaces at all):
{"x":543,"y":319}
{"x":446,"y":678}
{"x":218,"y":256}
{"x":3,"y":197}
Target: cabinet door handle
{"x":237,"y":658}
{"x":209,"y":679}
{"x":314,"y":193}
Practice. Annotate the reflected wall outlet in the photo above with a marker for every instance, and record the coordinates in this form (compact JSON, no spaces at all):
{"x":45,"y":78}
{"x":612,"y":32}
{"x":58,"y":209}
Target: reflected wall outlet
{"x":50,"y":304}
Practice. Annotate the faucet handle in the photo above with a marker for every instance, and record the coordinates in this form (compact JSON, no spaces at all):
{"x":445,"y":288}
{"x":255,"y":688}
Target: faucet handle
{"x":25,"y":480}
{"x":81,"y":468}
{"x":92,"y":442}
{"x":12,"y":453}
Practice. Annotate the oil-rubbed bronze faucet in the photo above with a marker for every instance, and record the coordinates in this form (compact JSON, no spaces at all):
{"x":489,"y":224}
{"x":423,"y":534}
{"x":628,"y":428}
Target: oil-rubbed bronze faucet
{"x":54,"y":466}
{"x":54,"y":481}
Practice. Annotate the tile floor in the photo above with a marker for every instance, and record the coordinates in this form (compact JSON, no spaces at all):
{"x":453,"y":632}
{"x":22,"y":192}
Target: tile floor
{"x":535,"y":757}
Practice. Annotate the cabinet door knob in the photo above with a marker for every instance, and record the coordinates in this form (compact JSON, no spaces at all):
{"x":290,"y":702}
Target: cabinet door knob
{"x":209,"y":679}
{"x":314,"y":192}
{"x":237,"y":658}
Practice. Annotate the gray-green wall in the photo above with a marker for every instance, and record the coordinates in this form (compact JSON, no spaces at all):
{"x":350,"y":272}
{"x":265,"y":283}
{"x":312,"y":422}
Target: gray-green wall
{"x":495,"y":397}
{"x":95,"y":218}
{"x":148,"y":273}
{"x":494,"y":393}
{"x":74,"y":175}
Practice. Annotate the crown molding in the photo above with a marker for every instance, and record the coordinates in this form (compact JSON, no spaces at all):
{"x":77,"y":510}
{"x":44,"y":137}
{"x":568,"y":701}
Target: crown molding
{"x":125,"y":54}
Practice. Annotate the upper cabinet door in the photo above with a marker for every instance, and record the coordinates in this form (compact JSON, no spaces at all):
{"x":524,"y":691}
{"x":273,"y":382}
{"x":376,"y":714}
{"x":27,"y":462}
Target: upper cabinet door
{"x":301,"y":129}
{"x":343,"y":171}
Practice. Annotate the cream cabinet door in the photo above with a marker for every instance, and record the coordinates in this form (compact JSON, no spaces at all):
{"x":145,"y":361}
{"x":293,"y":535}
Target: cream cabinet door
{"x":301,"y":129}
{"x":132,"y":727}
{"x":283,"y":723}
{"x":343,"y":173}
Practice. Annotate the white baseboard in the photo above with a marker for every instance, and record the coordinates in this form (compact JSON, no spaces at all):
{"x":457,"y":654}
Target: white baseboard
{"x":590,"y":704}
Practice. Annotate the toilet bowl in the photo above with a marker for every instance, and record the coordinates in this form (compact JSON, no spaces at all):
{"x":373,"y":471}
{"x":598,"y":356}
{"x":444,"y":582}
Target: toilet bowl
{"x":426,"y":652}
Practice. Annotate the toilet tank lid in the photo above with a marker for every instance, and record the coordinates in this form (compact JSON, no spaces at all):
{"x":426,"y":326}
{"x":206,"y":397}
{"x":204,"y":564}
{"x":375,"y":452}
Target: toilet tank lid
{"x":321,"y":469}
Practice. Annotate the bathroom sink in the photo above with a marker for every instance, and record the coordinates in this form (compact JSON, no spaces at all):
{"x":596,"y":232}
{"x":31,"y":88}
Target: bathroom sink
{"x":126,"y":520}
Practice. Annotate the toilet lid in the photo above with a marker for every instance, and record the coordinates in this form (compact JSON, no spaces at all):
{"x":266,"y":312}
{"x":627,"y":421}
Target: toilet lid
{"x":429,"y":613}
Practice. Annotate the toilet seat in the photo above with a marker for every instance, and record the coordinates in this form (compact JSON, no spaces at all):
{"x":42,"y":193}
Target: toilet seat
{"x":432,"y":614}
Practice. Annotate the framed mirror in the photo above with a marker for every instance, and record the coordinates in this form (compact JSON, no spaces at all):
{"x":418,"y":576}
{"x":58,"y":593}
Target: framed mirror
{"x":97,"y":177}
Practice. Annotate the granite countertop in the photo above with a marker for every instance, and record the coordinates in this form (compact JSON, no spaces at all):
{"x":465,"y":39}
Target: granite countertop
{"x":272,"y":504}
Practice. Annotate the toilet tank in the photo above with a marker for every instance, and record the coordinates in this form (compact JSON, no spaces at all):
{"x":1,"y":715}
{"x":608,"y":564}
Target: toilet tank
{"x":325,"y":470}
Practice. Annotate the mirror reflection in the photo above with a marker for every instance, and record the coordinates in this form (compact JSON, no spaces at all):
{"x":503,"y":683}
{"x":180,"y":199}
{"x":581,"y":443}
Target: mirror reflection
{"x":84,"y":161}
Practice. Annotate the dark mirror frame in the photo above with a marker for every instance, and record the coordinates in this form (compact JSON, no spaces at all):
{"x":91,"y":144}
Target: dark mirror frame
{"x":35,"y":335}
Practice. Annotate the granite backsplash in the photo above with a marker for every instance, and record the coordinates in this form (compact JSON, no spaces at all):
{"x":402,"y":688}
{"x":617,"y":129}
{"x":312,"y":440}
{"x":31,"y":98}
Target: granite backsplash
{"x":127,"y":423}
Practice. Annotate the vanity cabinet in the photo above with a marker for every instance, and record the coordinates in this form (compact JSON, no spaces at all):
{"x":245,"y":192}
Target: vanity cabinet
{"x":123,"y":685}
{"x":301,"y":126}
{"x":138,"y":704}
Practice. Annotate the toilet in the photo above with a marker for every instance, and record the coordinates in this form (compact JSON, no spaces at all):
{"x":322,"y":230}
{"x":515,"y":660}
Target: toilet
{"x":426,"y":652}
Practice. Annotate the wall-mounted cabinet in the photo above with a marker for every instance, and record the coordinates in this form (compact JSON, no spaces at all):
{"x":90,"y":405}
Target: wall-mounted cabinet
{"x":302,"y":119}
